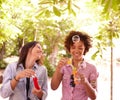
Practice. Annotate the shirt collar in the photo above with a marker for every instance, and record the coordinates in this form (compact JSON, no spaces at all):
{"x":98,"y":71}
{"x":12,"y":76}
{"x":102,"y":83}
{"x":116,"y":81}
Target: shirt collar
{"x":81,"y":66}
{"x":34,"y":67}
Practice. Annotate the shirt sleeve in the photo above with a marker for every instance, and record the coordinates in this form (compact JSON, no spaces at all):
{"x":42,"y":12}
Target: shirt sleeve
{"x":62,"y":69}
{"x":93,"y":77}
{"x":45,"y":85}
{"x":6,"y":89}
{"x":94,"y":74}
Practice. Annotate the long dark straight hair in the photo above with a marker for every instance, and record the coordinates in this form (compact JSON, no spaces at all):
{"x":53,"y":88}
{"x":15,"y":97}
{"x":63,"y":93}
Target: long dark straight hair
{"x":24,"y":52}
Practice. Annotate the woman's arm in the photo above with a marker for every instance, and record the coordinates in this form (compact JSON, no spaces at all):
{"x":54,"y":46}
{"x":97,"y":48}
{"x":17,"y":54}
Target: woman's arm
{"x":57,"y":76}
{"x":6,"y":89}
{"x":91,"y":90}
{"x":27,"y":73}
{"x":91,"y":84}
{"x":56,"y":79}
{"x":14,"y":82}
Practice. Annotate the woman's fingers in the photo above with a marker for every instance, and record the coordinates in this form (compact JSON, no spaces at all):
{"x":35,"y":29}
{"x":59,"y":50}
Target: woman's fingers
{"x":62,"y":62}
{"x":29,"y":73}
{"x":82,"y":78}
{"x":26,"y":73}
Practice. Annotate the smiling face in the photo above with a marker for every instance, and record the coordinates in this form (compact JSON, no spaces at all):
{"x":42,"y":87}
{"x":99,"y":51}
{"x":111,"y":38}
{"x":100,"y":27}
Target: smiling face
{"x":77,"y":50}
{"x":83,"y":39}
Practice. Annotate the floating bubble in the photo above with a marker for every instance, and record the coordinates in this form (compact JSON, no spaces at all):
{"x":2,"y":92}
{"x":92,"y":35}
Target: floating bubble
{"x":76,"y":38}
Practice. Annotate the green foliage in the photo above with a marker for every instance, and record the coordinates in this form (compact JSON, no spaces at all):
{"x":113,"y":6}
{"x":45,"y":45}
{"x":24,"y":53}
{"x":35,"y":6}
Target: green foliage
{"x":3,"y":64}
{"x":22,"y":21}
{"x":56,"y":11}
{"x":108,"y":32}
{"x":50,"y":67}
{"x":109,"y":4}
{"x":48,"y":21}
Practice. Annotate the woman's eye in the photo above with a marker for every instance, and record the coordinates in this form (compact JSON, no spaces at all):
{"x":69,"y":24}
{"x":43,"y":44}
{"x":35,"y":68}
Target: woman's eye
{"x":80,"y":48}
{"x":73,"y":47}
{"x":39,"y":47}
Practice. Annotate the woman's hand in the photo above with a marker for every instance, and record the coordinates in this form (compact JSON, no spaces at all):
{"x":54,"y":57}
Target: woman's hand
{"x":83,"y":79}
{"x":80,"y":78}
{"x":57,"y":76}
{"x":25,"y":73}
{"x":37,"y":92}
{"x":62,"y":63}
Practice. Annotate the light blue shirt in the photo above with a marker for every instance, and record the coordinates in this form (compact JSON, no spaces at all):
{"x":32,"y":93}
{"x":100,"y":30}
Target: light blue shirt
{"x":19,"y":93}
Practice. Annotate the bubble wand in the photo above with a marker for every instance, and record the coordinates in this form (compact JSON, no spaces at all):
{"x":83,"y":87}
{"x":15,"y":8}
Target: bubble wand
{"x":35,"y":81}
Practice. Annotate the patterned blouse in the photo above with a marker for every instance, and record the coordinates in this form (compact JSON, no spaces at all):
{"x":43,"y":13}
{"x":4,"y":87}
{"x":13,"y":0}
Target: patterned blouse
{"x":78,"y":92}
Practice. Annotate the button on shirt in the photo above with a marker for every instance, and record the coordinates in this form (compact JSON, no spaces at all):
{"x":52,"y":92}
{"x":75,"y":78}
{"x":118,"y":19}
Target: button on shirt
{"x":19,"y":93}
{"x":78,"y":92}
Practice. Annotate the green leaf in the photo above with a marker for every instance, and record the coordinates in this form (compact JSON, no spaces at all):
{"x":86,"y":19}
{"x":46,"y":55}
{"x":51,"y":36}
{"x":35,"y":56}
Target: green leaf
{"x":94,"y":55}
{"x":40,"y":14}
{"x":56,"y":11}
{"x":94,"y":0}
{"x":103,"y":1}
{"x":73,"y":12}
{"x":107,"y":6}
{"x":69,"y":4}
{"x":47,"y":13}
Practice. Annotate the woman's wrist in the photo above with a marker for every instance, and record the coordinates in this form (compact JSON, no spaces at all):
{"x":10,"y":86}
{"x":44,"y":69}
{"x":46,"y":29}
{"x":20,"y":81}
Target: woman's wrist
{"x":58,"y":68}
{"x":39,"y":94}
{"x":16,"y":79}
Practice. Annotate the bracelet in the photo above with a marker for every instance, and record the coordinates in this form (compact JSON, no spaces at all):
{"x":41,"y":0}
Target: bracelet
{"x":16,"y":79}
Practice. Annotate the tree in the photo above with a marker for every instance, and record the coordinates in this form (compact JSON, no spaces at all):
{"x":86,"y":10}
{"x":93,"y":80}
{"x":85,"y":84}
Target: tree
{"x":30,"y":20}
{"x":111,"y":11}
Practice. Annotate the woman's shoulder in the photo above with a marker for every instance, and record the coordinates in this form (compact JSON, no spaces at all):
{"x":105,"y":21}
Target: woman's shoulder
{"x":12,"y":65}
{"x":41,"y":70}
{"x":41,"y":67}
{"x":91,"y":66}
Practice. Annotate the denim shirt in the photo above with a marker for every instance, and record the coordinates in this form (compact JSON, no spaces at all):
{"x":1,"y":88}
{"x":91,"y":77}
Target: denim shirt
{"x":19,"y":93}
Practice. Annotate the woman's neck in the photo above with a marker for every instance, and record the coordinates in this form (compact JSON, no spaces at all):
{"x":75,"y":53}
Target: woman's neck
{"x":75,"y":63}
{"x":29,"y":62}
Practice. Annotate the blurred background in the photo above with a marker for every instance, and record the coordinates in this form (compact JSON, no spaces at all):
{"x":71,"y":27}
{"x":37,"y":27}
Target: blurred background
{"x":49,"y":21}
